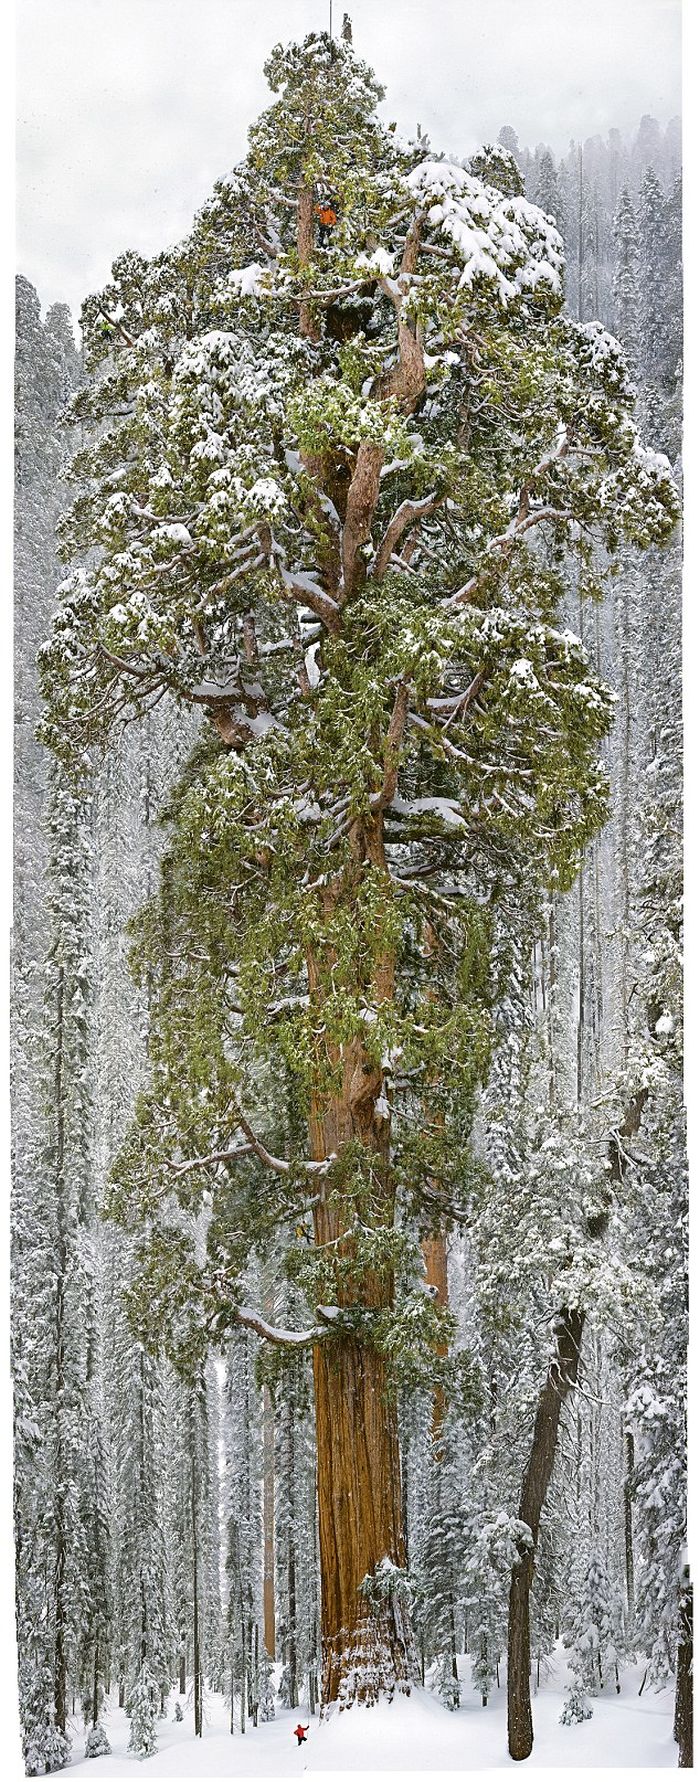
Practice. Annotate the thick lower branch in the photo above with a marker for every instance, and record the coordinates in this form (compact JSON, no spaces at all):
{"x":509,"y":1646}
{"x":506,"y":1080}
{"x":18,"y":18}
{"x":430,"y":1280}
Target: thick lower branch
{"x":408,"y":514}
{"x":392,"y":748}
{"x":284,"y":1339}
{"x":363,"y":495}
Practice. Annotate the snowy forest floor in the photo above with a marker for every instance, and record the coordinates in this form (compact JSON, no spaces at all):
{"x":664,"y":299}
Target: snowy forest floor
{"x":625,"y":1732}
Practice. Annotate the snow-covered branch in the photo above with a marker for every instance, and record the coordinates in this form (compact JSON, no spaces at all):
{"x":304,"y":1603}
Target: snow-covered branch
{"x":406,"y":515}
{"x":505,"y":543}
{"x":306,"y":591}
{"x":253,"y":1147}
{"x":286,"y":1339}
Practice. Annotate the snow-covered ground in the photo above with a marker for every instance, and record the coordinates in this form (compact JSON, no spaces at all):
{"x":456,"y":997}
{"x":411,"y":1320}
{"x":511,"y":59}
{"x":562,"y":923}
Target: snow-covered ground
{"x":626,"y":1732}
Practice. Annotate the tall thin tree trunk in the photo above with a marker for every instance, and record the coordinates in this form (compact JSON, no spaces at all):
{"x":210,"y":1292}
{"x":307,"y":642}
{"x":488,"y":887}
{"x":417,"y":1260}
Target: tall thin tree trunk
{"x":625,"y":807}
{"x":312,"y":1687}
{"x":561,"y":1378}
{"x":434,"y":1247}
{"x":628,"y":1440}
{"x":60,"y":1656}
{"x":197,"y":1656}
{"x":580,"y":233}
{"x":683,"y":1719}
{"x":256,"y":1673}
{"x":292,"y":1641}
{"x":244,"y":1666}
{"x":551,"y":1000}
{"x":268,"y":1524}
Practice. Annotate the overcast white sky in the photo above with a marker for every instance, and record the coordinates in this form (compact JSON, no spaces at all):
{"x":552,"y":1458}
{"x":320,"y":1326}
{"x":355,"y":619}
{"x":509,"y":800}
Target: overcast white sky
{"x":128,"y":110}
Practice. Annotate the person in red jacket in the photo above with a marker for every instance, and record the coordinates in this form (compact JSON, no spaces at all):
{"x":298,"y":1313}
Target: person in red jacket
{"x":300,"y":1733}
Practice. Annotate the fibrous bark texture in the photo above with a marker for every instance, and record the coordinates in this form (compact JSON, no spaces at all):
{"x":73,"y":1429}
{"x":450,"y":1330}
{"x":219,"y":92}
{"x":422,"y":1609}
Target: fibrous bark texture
{"x":366,"y":1647}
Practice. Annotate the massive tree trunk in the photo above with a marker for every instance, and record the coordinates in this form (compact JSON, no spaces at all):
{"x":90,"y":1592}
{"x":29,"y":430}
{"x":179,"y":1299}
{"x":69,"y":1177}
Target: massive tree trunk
{"x":561,"y":1378}
{"x":435,"y":1260}
{"x":367,"y":1644}
{"x":366,"y":1647}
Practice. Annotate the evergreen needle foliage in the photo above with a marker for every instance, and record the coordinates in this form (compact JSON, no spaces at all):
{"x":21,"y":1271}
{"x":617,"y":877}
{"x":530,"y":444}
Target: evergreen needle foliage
{"x":325,"y":495}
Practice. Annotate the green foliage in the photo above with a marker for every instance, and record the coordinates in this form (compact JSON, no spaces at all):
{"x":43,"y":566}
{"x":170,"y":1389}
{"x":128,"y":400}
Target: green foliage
{"x":327,"y":498}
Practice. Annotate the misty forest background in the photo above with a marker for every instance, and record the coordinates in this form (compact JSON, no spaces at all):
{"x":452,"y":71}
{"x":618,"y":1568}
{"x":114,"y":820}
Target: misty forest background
{"x":166,"y":1526}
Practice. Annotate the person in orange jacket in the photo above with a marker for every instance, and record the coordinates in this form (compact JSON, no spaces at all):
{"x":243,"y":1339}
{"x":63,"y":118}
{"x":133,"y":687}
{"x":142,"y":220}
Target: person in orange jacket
{"x":300,"y":1733}
{"x":327,"y":218}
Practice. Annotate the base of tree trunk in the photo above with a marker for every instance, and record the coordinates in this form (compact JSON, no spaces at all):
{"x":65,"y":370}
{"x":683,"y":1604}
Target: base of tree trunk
{"x":371,"y":1663}
{"x":683,"y":1719}
{"x":367,"y":1646}
{"x":520,"y":1731}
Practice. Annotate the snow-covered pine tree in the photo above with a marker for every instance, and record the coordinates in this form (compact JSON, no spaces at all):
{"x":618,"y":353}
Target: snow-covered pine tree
{"x":193,"y":1534}
{"x":143,"y":1707}
{"x":295,"y":1535}
{"x":487,"y":1598}
{"x":210,"y":1520}
{"x":95,"y":1513}
{"x":545,"y":1608}
{"x":654,"y":258}
{"x":314,"y":524}
{"x":49,"y":1144}
{"x":593,"y":1630}
{"x":144,"y":1633}
{"x":547,"y":191}
{"x":656,"y":1375}
{"x":625,"y":284}
{"x":439,"y":1570}
{"x":53,"y":1540}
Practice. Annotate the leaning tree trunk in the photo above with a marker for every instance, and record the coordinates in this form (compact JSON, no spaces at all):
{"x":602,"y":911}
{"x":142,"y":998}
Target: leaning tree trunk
{"x":683,"y":1720}
{"x":560,"y":1381}
{"x":561,"y":1378}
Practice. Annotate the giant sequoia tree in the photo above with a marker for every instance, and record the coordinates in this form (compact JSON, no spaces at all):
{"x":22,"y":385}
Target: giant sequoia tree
{"x":327,"y":497}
